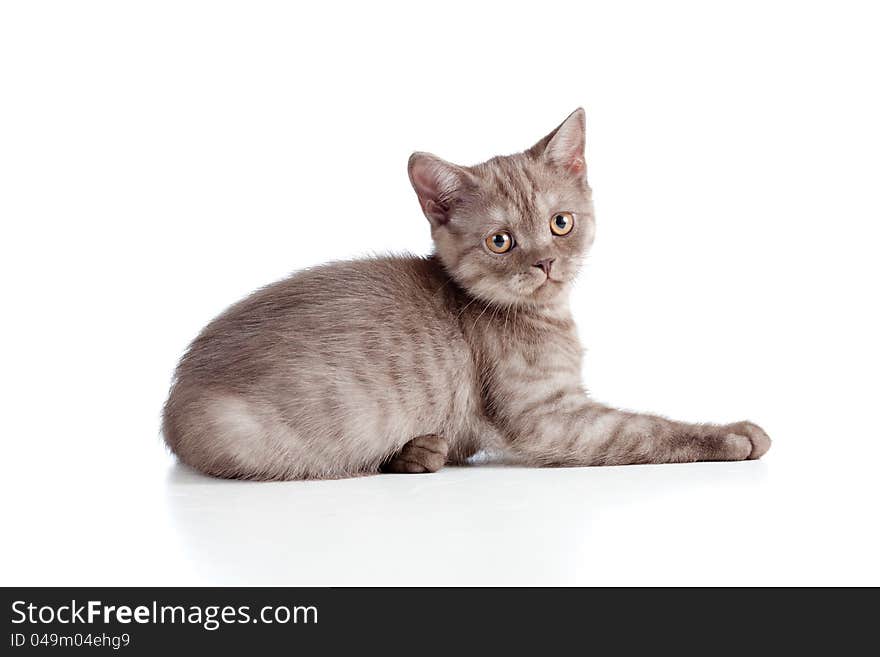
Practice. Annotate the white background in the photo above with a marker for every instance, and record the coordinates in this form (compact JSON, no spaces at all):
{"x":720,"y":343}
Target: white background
{"x":160,"y":160}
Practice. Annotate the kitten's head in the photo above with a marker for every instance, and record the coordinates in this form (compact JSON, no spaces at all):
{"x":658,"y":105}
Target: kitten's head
{"x":515,"y":229}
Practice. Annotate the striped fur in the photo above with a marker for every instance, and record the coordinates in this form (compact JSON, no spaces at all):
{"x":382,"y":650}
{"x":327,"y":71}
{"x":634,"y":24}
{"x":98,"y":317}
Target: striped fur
{"x":404,"y":363}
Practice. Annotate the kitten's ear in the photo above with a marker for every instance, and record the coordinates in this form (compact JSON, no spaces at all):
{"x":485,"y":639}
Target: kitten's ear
{"x":438,"y":185}
{"x":564,"y":147}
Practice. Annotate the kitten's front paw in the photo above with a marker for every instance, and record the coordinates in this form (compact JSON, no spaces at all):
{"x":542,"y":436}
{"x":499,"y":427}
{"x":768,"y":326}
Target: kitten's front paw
{"x":421,"y":454}
{"x":739,"y":432}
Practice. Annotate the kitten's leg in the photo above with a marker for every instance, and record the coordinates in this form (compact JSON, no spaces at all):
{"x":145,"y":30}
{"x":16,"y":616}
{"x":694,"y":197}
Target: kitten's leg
{"x":591,"y":434}
{"x":421,"y":454}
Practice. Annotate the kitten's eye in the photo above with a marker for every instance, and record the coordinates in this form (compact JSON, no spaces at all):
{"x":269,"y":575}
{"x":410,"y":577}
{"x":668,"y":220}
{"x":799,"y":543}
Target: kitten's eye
{"x":499,"y":242}
{"x":561,"y":223}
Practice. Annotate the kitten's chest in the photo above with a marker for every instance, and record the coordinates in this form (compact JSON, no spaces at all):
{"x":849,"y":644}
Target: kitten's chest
{"x":535,"y":351}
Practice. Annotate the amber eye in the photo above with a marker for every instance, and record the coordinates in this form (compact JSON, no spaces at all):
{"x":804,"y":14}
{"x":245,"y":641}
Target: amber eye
{"x":561,"y":223}
{"x":499,"y":242}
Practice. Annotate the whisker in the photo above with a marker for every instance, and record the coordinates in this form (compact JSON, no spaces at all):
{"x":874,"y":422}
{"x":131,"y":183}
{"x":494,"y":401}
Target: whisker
{"x":465,"y":308}
{"x":488,"y":305}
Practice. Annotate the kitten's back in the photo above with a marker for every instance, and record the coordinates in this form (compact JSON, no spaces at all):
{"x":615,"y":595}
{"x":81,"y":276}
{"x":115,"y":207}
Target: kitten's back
{"x":322,"y":374}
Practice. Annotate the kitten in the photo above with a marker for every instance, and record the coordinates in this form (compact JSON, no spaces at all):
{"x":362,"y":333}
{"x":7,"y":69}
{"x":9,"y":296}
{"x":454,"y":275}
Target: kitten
{"x":402,"y":364}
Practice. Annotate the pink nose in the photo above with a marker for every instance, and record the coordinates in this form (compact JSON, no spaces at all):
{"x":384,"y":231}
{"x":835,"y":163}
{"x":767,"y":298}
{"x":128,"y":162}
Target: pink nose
{"x":545,"y":264}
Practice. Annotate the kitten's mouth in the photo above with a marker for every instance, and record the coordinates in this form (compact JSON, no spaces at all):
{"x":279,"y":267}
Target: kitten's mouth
{"x":546,"y":282}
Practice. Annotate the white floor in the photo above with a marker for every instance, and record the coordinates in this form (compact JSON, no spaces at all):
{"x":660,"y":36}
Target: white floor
{"x":146,"y":188}
{"x":783,"y":520}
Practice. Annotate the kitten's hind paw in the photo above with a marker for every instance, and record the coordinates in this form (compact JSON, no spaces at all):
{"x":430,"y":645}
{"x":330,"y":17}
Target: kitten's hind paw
{"x":421,"y":454}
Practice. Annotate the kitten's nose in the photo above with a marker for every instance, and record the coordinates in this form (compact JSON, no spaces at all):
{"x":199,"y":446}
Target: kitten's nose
{"x":545,"y":264}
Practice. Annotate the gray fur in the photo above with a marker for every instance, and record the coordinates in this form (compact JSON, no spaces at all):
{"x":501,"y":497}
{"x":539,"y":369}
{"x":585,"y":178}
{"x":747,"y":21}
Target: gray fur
{"x":404,"y":363}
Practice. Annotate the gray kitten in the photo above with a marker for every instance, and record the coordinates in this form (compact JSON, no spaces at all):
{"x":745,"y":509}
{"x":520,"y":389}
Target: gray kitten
{"x":404,"y":364}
